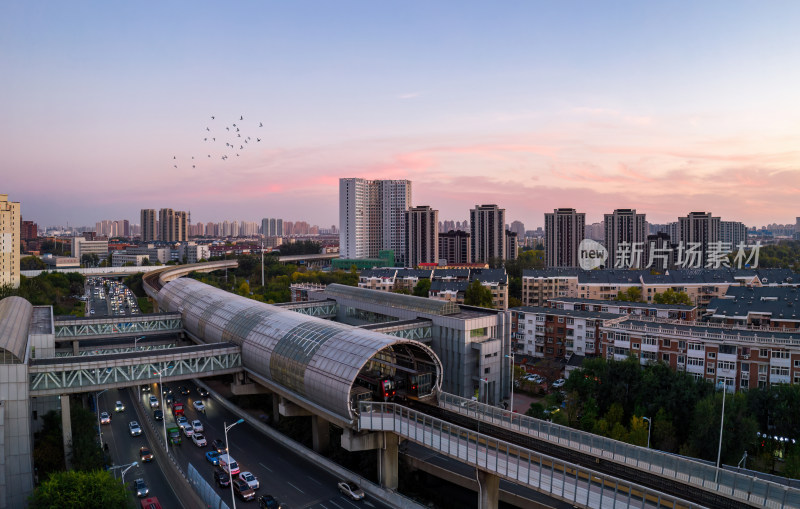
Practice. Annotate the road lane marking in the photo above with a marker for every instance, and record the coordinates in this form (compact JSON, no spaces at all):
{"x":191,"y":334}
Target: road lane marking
{"x":349,"y":502}
{"x":318,"y":482}
{"x":368,"y":503}
{"x":295,"y":487}
{"x":334,"y":503}
{"x":263,"y":465}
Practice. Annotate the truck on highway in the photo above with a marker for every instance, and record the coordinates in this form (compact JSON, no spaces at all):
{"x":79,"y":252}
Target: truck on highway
{"x":177,"y":409}
{"x":174,"y":434}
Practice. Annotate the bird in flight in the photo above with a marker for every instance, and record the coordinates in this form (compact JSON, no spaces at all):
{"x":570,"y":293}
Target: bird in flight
{"x":241,"y":118}
{"x":258,"y":139}
{"x":212,"y":118}
{"x":227,"y":128}
{"x":260,"y":124}
{"x":207,"y":129}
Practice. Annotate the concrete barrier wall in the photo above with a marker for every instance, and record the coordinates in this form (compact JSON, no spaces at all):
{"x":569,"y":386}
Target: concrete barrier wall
{"x":389,"y":497}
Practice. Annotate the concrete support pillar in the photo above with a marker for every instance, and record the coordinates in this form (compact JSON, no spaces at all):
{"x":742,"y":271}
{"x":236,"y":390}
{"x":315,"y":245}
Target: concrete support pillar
{"x":488,"y":490}
{"x":387,"y":461}
{"x":66,"y":427}
{"x":276,"y":408}
{"x":320,"y":434}
{"x":75,"y":347}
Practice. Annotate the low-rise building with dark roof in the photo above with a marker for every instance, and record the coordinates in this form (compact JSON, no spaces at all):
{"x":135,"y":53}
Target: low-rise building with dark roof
{"x":377,"y":279}
{"x":766,"y":306}
{"x":407,"y":279}
{"x":448,"y":290}
{"x":495,"y":280}
{"x":633,"y":309}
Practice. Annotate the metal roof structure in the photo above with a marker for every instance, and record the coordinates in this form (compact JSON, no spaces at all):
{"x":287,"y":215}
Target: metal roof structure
{"x":397,"y":300}
{"x":15,"y":318}
{"x":315,"y":359}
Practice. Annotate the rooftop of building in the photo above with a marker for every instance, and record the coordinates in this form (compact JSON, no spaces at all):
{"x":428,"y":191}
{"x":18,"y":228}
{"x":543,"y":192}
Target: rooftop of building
{"x":438,"y":285}
{"x":379,"y":273}
{"x":565,"y":312}
{"x":489,"y":275}
{"x":740,"y":301}
{"x":451,"y":273}
{"x":669,"y":277}
{"x":397,"y":300}
{"x":41,"y":320}
{"x":414,"y":273}
{"x":601,"y":302}
{"x":700,"y":330}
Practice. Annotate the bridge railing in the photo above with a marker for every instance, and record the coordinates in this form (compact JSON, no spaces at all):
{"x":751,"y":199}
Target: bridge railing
{"x":560,"y":479}
{"x":731,"y":484}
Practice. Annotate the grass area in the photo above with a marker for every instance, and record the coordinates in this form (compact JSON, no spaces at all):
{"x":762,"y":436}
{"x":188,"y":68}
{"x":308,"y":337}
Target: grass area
{"x":145,"y":306}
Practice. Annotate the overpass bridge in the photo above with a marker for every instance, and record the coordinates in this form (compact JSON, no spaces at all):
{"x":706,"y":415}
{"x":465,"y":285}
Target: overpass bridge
{"x":69,"y":375}
{"x":69,"y":328}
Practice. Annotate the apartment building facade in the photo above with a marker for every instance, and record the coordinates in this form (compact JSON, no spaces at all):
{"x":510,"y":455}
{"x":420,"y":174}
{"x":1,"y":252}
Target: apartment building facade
{"x":454,"y":247}
{"x":564,"y":231}
{"x":10,"y":241}
{"x":487,"y":233}
{"x":624,"y":227}
{"x":421,"y":226}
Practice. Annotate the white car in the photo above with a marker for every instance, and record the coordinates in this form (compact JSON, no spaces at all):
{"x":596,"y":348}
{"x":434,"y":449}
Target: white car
{"x":199,"y":406}
{"x":559,"y":383}
{"x":187,"y":430}
{"x":153,"y":402}
{"x":134,"y":428}
{"x":105,"y":418}
{"x":119,"y":406}
{"x":182,"y":420}
{"x":199,"y":440}
{"x":197,"y":426}
{"x":250,"y":479}
{"x":350,"y":489}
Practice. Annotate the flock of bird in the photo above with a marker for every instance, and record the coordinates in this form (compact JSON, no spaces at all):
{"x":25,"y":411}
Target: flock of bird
{"x":235,"y":137}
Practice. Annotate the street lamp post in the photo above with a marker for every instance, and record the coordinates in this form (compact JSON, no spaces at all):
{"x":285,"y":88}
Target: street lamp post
{"x":97,"y":410}
{"x":125,"y":469}
{"x":721,"y":422}
{"x":649,"y":424}
{"x":163,"y":408}
{"x":228,"y":451}
{"x":511,"y":356}
{"x":136,"y":340}
{"x":486,"y":392}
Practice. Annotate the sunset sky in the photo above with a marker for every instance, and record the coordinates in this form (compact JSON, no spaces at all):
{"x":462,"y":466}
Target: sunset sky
{"x":666,"y":107}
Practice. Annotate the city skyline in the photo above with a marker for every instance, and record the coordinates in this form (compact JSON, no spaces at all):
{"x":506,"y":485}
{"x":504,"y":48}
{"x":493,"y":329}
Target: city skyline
{"x":661,"y":108}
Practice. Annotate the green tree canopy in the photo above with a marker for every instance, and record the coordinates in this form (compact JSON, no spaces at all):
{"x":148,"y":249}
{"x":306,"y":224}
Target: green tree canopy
{"x":73,"y":488}
{"x":632,"y":294}
{"x":478,"y":295}
{"x":31,"y":263}
{"x":422,"y":288}
{"x":672,"y":297}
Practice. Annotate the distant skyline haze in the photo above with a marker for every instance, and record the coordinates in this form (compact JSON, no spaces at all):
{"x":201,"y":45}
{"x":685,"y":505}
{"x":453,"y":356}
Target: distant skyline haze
{"x":663,"y":107}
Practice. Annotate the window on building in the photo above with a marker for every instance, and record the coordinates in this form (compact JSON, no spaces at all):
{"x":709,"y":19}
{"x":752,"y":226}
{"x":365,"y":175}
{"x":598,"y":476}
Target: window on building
{"x":745,"y":367}
{"x":560,"y":319}
{"x":667,"y":343}
{"x":682,"y":344}
{"x":763,"y":353}
{"x":710,"y":369}
{"x":665,"y":357}
{"x":712,"y":355}
{"x":780,"y":354}
{"x":681,"y":359}
{"x":486,"y":370}
{"x":696,"y":361}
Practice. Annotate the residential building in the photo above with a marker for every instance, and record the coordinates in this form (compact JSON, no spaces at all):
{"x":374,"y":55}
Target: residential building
{"x":564,"y":231}
{"x":496,"y":280}
{"x":172,"y":225}
{"x":768,"y":307}
{"x":558,"y":333}
{"x":595,"y":231}
{"x":517,"y":227}
{"x":10,"y":241}
{"x":422,"y":236}
{"x":512,"y":245}
{"x":155,"y":254}
{"x":61,"y":262}
{"x":29,"y":230}
{"x":371,"y":217}
{"x":377,"y":279}
{"x":625,"y":236}
{"x":645,"y":310}
{"x":732,"y":234}
{"x":272,"y":227}
{"x":454,"y":247}
{"x":488,"y":233}
{"x":149,"y":225}
{"x":191,"y":252}
{"x":121,"y":259}
{"x":699,"y":231}
{"x":659,"y":252}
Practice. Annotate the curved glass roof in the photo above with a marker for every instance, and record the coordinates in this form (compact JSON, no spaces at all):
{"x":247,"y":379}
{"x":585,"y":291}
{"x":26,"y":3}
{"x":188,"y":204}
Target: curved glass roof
{"x":15,"y":318}
{"x":396,"y":300}
{"x":314,"y":358}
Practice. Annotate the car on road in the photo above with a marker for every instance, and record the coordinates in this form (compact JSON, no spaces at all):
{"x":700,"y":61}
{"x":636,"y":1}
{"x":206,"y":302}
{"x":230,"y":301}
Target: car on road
{"x":228,"y":464}
{"x":119,"y":406}
{"x":153,"y":402}
{"x":174,"y":435}
{"x":199,"y":406}
{"x":134,"y":428}
{"x":167,"y":389}
{"x":268,"y":502}
{"x":169,"y":399}
{"x":197,"y":426}
{"x":202,"y":392}
{"x":559,"y":383}
{"x":187,"y":430}
{"x":199,"y":440}
{"x":181,"y":420}
{"x":222,"y":478}
{"x":145,"y":454}
{"x":105,"y":418}
{"x":140,"y":487}
{"x":250,"y":479}
{"x":184,"y":390}
{"x":158,"y":415}
{"x":243,"y":490}
{"x":146,"y":388}
{"x":351,"y":490}
{"x":219,"y":446}
{"x":213,"y":457}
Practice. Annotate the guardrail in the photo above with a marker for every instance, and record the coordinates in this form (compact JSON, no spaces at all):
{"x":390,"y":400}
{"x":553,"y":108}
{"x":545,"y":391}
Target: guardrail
{"x":732,"y":484}
{"x":546,"y":474}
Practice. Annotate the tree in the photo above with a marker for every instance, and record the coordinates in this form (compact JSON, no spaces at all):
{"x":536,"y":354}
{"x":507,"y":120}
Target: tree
{"x":422,"y":288}
{"x":478,"y":295}
{"x":632,"y":294}
{"x":536,"y":411}
{"x":244,"y":288}
{"x":73,"y":488}
{"x":31,"y":263}
{"x":672,"y":297}
{"x":639,"y":431}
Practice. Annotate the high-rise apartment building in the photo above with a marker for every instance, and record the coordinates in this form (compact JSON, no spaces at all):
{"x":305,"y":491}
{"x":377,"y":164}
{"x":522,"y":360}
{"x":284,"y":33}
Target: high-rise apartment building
{"x":698,"y":229}
{"x":9,"y":241}
{"x":172,"y":225}
{"x":625,"y":227}
{"x":272,"y":227}
{"x":148,"y":225}
{"x":512,"y":245}
{"x":488,"y":233}
{"x":454,"y":247}
{"x":564,"y":230}
{"x":29,"y":230}
{"x":372,"y":217}
{"x":732,"y":233}
{"x":518,"y":227}
{"x":422,"y":236}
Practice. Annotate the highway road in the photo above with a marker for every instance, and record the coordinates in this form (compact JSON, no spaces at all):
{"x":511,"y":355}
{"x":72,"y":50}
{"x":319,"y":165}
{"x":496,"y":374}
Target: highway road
{"x":289,"y":478}
{"x":124,"y":449}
